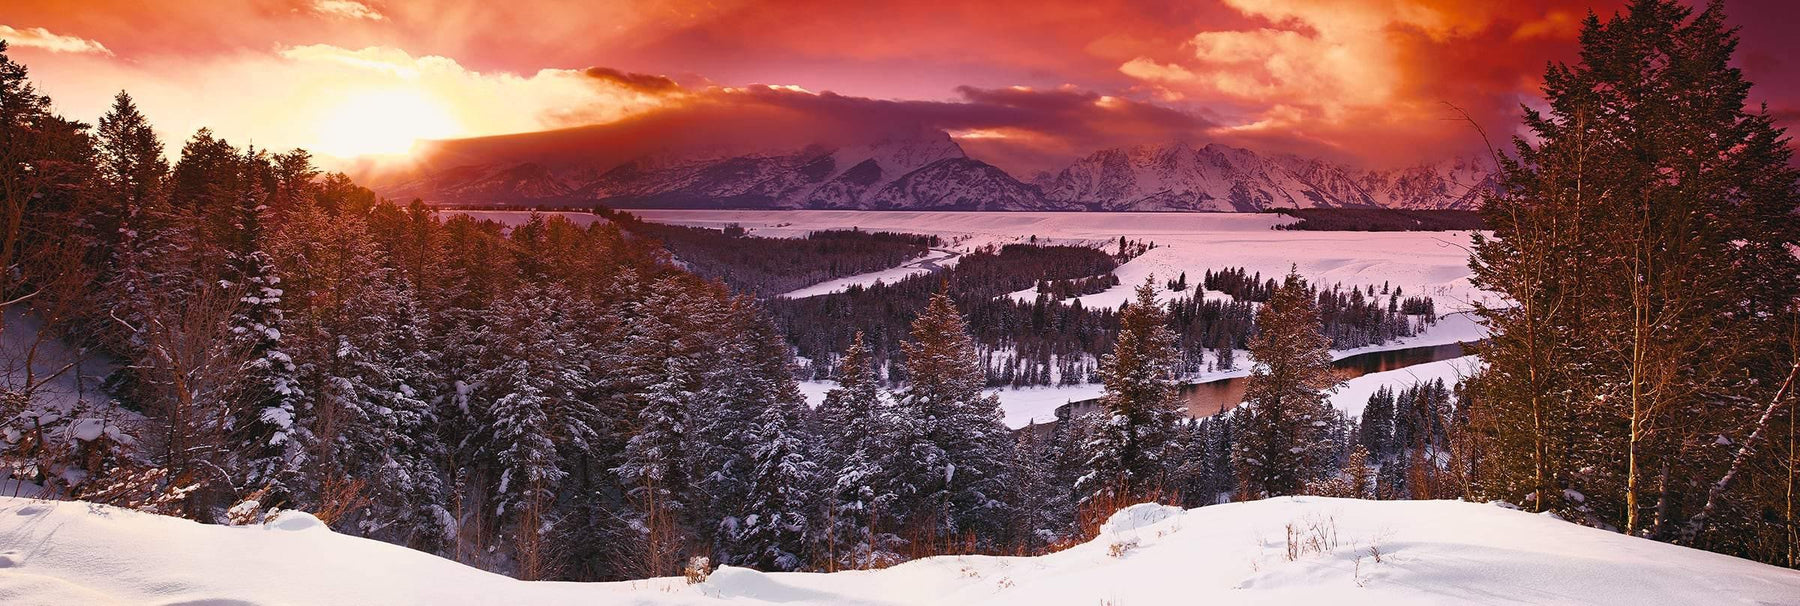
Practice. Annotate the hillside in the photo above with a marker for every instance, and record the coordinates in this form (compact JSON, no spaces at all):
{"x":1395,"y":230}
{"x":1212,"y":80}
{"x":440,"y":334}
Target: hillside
{"x":1431,"y":552}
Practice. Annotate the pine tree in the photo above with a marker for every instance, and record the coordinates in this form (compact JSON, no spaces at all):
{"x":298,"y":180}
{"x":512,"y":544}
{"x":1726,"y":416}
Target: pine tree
{"x":132,"y":226}
{"x":776,"y":527}
{"x":1607,"y":376}
{"x":536,"y":413}
{"x":1375,"y":432}
{"x":1038,"y":501}
{"x":654,"y":466}
{"x":132,"y":171}
{"x":852,"y":420}
{"x":271,"y":390}
{"x":418,"y":510}
{"x":956,"y":445}
{"x":1285,"y":440}
{"x":1225,"y":354}
{"x":1127,"y":455}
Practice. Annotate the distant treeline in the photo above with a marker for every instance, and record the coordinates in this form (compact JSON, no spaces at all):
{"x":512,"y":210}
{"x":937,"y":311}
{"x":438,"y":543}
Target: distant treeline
{"x":772,"y":266}
{"x":1050,"y":341}
{"x":822,"y":327}
{"x":1380,"y":219}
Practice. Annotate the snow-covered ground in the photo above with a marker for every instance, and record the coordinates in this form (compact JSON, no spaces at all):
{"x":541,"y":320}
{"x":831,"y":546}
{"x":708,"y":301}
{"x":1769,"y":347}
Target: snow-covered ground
{"x":1430,"y":552}
{"x":51,"y":369}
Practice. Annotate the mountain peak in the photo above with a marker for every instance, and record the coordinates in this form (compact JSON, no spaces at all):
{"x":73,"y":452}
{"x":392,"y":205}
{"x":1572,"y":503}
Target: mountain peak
{"x":928,"y":169}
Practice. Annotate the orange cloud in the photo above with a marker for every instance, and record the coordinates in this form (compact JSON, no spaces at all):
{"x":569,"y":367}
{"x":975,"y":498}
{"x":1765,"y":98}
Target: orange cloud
{"x":1346,"y":74}
{"x":336,"y":100}
{"x":347,"y":9}
{"x":1364,"y":79}
{"x":37,"y":37}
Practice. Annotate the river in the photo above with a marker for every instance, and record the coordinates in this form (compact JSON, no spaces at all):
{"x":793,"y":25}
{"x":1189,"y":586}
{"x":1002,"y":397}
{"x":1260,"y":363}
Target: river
{"x":1216,"y":396}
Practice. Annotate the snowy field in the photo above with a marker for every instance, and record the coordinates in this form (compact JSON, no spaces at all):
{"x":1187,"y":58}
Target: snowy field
{"x":1430,"y":552}
{"x":1430,"y":263}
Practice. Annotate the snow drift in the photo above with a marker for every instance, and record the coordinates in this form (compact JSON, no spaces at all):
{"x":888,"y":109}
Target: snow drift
{"x":1302,"y":550}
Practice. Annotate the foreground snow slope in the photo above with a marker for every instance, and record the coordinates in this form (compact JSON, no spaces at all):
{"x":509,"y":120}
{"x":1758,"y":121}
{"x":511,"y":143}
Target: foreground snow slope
{"x":1432,"y":552}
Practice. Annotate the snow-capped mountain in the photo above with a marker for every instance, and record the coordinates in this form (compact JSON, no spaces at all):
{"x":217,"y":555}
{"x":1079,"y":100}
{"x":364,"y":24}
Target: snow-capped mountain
{"x":930,"y":171}
{"x":923,"y":171}
{"x":1221,"y":178}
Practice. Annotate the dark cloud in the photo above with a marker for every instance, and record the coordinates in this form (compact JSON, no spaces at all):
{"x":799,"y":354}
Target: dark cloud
{"x":1021,"y":130}
{"x":645,"y":83}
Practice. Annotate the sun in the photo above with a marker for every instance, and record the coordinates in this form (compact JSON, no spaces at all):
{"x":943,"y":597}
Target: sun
{"x":382,"y":122}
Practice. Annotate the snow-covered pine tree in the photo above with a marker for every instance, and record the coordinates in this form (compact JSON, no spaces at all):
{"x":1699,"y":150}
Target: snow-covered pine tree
{"x":853,"y":400}
{"x":1126,"y":455}
{"x":1225,"y":354}
{"x":420,"y":515}
{"x":1038,"y":502}
{"x":853,"y":430}
{"x":1630,"y":322}
{"x":959,"y":449}
{"x":131,"y":170}
{"x":1188,"y":465}
{"x":273,"y":445}
{"x":1286,"y":439}
{"x":654,"y":469}
{"x":1221,"y":475}
{"x":743,"y":375}
{"x":133,"y":222}
{"x":1375,"y":431}
{"x":341,"y":298}
{"x":534,"y":411}
{"x":775,"y":526}
{"x":1359,"y":474}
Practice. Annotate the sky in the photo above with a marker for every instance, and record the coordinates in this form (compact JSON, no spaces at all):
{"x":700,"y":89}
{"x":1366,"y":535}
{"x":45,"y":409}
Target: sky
{"x":1026,"y":85}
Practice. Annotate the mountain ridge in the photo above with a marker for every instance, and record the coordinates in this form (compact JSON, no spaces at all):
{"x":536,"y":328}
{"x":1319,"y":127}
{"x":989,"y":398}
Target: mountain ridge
{"x":930,"y":171}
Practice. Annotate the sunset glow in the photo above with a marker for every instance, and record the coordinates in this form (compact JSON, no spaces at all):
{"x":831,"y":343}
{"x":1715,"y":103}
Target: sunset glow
{"x":1026,"y":86}
{"x":385,"y":122}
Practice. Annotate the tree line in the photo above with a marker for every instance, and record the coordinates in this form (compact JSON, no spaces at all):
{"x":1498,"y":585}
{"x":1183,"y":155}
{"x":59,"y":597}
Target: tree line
{"x":1048,"y":341}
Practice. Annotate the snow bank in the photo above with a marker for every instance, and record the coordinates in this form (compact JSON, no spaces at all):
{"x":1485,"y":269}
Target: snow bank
{"x":1139,"y":516}
{"x":1431,"y":552}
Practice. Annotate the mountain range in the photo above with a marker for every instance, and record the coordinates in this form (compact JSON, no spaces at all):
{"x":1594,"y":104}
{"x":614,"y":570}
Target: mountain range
{"x":929,"y":171}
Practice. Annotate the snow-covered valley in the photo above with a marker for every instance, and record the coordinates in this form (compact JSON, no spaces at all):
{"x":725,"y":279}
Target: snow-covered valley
{"x":1428,"y":263}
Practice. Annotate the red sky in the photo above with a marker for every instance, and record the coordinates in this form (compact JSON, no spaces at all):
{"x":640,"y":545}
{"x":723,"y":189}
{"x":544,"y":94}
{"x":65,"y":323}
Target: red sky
{"x":1024,"y":84}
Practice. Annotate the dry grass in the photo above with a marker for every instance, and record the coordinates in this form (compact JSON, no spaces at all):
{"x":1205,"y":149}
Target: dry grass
{"x":1311,"y":536}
